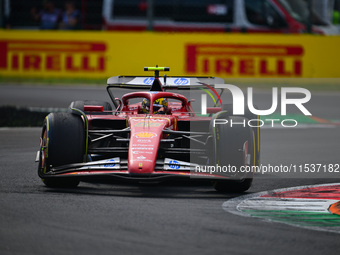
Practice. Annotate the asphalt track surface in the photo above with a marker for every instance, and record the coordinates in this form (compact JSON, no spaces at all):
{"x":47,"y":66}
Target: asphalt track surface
{"x":151,"y":219}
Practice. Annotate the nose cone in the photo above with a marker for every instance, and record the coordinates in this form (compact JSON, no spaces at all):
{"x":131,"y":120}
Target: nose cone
{"x":146,"y":134}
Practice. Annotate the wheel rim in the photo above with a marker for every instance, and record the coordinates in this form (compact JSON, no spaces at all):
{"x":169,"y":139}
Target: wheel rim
{"x":43,"y":151}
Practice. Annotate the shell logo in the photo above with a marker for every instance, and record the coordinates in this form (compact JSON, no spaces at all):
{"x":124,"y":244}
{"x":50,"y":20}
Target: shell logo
{"x":145,"y":135}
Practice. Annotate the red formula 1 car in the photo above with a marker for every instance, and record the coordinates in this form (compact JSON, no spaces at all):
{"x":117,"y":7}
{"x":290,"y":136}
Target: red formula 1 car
{"x":152,"y":135}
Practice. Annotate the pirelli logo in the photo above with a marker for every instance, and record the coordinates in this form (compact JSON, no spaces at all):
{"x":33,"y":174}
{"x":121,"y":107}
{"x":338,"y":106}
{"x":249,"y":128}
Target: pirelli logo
{"x":53,"y":56}
{"x":248,"y":60}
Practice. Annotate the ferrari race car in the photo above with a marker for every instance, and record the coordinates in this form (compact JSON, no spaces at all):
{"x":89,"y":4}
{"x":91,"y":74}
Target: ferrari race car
{"x":151,"y":135}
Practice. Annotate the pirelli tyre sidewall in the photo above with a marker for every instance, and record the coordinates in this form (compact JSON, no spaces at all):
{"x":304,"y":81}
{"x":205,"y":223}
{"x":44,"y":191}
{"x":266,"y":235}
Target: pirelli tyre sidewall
{"x":62,"y":143}
{"x":233,"y":148}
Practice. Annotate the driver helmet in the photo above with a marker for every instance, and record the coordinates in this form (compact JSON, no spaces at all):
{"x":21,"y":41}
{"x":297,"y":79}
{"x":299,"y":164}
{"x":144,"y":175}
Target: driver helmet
{"x":160,"y":105}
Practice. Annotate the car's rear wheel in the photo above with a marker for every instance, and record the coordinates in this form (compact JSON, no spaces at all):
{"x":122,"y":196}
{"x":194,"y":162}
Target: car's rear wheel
{"x":62,"y":143}
{"x":256,"y":126}
{"x":233,"y":148}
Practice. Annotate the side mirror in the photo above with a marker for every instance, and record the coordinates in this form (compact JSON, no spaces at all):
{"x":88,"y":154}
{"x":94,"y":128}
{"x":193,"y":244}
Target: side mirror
{"x":119,"y":105}
{"x":212,"y":110}
{"x":190,"y":101}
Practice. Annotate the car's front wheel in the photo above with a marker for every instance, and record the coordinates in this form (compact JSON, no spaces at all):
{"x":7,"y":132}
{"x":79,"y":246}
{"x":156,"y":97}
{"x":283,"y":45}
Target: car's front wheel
{"x":62,"y":143}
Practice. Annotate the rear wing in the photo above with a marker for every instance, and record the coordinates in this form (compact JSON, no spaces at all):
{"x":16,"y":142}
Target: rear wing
{"x":171,"y":82}
{"x":158,"y":83}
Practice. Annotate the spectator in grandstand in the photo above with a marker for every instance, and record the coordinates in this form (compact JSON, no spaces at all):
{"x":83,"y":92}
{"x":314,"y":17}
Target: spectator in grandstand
{"x":49,"y":17}
{"x":70,"y":17}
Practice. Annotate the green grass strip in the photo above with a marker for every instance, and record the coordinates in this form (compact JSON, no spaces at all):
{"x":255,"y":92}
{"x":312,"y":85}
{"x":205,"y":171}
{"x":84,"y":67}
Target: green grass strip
{"x":298,"y":217}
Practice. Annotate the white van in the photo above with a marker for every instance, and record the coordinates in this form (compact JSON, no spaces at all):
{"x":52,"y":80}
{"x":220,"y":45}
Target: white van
{"x":250,"y":16}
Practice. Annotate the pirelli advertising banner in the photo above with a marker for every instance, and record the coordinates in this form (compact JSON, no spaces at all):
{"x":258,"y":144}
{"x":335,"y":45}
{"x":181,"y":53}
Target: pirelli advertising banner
{"x":79,"y":54}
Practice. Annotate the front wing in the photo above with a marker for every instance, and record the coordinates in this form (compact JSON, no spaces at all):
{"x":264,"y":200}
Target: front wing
{"x":115,"y":168}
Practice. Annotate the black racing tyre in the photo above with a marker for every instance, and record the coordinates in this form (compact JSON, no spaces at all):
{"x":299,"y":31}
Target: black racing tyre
{"x":62,"y":143}
{"x":250,"y":116}
{"x":80,"y":105}
{"x":233,"y":146}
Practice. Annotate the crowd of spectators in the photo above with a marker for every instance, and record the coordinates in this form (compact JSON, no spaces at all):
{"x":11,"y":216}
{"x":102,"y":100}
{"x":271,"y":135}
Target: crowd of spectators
{"x":51,"y":17}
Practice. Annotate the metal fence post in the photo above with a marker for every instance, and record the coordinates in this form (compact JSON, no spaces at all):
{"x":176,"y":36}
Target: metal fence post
{"x":150,"y":14}
{"x":310,"y":16}
{"x":2,"y":14}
